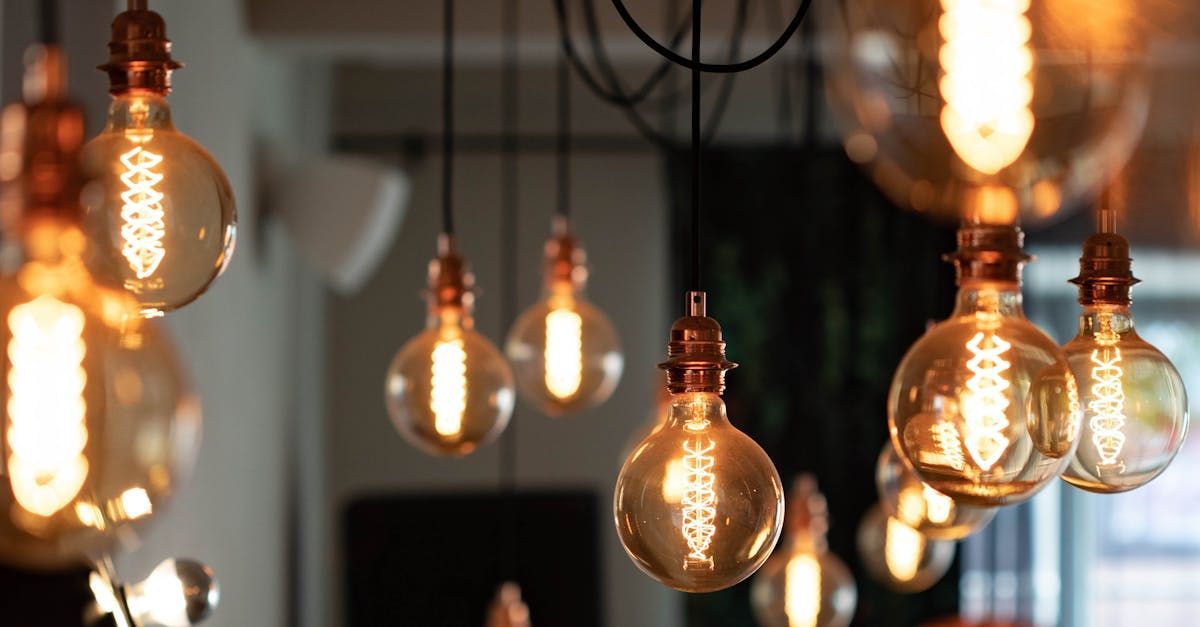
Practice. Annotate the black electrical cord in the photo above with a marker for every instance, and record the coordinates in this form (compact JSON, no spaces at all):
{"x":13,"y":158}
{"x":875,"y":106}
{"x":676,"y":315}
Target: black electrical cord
{"x":563,"y":139}
{"x":48,"y":29}
{"x":509,"y":207}
{"x":718,"y":68}
{"x":448,"y":117}
{"x":697,"y":147}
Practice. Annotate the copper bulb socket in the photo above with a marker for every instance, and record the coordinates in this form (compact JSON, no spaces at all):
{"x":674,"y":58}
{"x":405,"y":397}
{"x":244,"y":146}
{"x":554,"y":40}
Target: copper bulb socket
{"x":1105,"y":271}
{"x":989,"y":253}
{"x":139,"y":54}
{"x":696,"y":354}
{"x":451,"y":282}
{"x":566,"y":261}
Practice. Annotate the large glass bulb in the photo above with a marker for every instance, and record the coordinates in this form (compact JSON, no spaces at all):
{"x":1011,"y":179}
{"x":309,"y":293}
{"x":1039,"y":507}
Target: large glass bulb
{"x":161,"y":218}
{"x":699,"y":505}
{"x":899,"y":556}
{"x":564,"y":351}
{"x":903,"y":496}
{"x":803,"y":584}
{"x":449,"y":390}
{"x":983,"y":407}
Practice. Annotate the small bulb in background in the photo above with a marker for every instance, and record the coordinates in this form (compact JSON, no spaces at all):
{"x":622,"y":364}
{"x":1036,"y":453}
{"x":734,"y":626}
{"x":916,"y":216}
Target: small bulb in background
{"x":564,"y":351}
{"x":449,"y":390}
{"x":507,"y":608}
{"x":161,"y":215}
{"x":904,"y":497}
{"x":899,"y":556}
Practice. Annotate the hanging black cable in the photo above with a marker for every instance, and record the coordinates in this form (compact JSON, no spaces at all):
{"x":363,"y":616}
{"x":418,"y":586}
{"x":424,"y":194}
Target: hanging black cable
{"x":718,"y":68}
{"x":509,"y":206}
{"x":563,"y":138}
{"x":696,"y":147}
{"x":448,"y":117}
{"x":48,"y":30}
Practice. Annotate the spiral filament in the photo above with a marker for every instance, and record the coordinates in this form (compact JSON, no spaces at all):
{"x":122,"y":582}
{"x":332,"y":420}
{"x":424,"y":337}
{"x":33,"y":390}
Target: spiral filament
{"x":985,"y":402}
{"x":903,"y":548}
{"x":949,"y":445}
{"x":47,"y":412}
{"x":699,"y":498}
{"x":143,"y":229}
{"x":564,"y":352}
{"x":986,"y":83}
{"x":802,"y":590}
{"x":448,"y":387}
{"x":1108,"y":400}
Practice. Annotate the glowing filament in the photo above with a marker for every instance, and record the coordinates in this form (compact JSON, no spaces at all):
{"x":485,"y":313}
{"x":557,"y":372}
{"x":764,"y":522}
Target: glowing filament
{"x":448,"y":389}
{"x":986,"y":83}
{"x":945,"y":435}
{"x":47,"y":413}
{"x":802,"y":590}
{"x":903,"y":548}
{"x":1108,"y":401}
{"x":699,"y":498}
{"x":986,"y":401}
{"x":939,"y":508}
{"x":143,"y":229}
{"x":564,"y":352}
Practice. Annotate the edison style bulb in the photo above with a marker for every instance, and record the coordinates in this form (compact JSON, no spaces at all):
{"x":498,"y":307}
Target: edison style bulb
{"x":903,"y":496}
{"x":162,"y":218}
{"x":1135,"y":410}
{"x":178,"y":593}
{"x":983,"y":407}
{"x":698,"y":505}
{"x":899,"y":556}
{"x":803,"y":584}
{"x":564,"y":351}
{"x":449,"y":390}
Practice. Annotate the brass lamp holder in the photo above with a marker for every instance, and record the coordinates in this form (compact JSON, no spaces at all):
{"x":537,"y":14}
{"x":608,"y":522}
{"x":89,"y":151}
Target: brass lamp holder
{"x":696,"y":354}
{"x":451,"y":283}
{"x":808,"y":511}
{"x":989,"y":252}
{"x":565,"y":261}
{"x":1105,"y":269}
{"x":139,"y":53}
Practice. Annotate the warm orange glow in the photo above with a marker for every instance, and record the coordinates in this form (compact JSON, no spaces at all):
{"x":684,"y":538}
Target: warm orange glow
{"x":986,"y":83}
{"x":902,"y":550}
{"x":47,"y":411}
{"x":1107,"y":407}
{"x":448,"y":389}
{"x":802,"y":590}
{"x":986,"y":400}
{"x":143,"y":229}
{"x":699,"y":498}
{"x":564,"y":352}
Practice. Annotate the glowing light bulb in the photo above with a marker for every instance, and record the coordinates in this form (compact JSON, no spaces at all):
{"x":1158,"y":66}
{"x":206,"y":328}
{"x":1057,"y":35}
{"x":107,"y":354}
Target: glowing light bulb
{"x":937,"y":516}
{"x":899,"y":556}
{"x":448,"y":390}
{"x":981,"y":406}
{"x":986,"y":83}
{"x":698,"y":505}
{"x":507,"y":609}
{"x":178,"y":593}
{"x":803,"y":584}
{"x":161,"y":217}
{"x":564,"y":351}
{"x":95,"y":418}
{"x":1134,"y":403}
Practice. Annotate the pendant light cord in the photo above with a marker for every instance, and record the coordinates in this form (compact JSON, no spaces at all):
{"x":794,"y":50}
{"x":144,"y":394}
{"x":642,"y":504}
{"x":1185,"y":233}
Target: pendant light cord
{"x":563,"y":148}
{"x":448,"y":117}
{"x":697,"y":146}
{"x":48,"y":30}
{"x":509,"y":208}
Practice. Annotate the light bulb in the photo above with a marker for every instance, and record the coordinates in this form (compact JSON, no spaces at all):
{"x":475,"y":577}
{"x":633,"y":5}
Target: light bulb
{"x":161,"y":217}
{"x":899,"y":556}
{"x":698,"y":505}
{"x":983,"y":407}
{"x":507,"y":609}
{"x":803,"y":584}
{"x":448,"y":390}
{"x":178,"y":593}
{"x":1135,"y":410}
{"x":564,"y":351}
{"x":937,"y":516}
{"x":95,"y":418}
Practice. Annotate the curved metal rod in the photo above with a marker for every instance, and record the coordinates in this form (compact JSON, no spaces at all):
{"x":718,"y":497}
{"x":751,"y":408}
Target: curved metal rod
{"x":714,"y":68}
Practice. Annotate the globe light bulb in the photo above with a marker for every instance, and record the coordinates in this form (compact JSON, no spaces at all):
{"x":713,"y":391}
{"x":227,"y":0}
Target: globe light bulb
{"x":698,"y":505}
{"x":1043,"y":99}
{"x":161,"y":217}
{"x":178,"y":593}
{"x":507,"y":608}
{"x":1135,"y":410}
{"x":95,"y":418}
{"x":803,"y":584}
{"x":449,"y":390}
{"x":564,"y":351}
{"x":983,"y":407}
{"x":899,"y":556}
{"x":904,"y":497}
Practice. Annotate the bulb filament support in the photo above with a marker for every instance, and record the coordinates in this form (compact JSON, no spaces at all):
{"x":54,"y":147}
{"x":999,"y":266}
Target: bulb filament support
{"x":699,"y":498}
{"x":448,"y":387}
{"x":564,"y":352}
{"x":1107,"y":406}
{"x":986,"y":82}
{"x":986,"y":400}
{"x":802,"y":590}
{"x":47,"y":412}
{"x":143,"y":228}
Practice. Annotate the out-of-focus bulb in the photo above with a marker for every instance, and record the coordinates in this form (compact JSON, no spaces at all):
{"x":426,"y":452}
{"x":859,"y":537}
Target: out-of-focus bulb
{"x":178,"y":593}
{"x":161,"y":217}
{"x":698,"y":505}
{"x":507,"y":609}
{"x":937,"y":516}
{"x":563,"y":349}
{"x":984,"y":407}
{"x":803,"y":584}
{"x":899,"y":556}
{"x":1135,"y":410}
{"x":986,"y":83}
{"x":448,"y":390}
